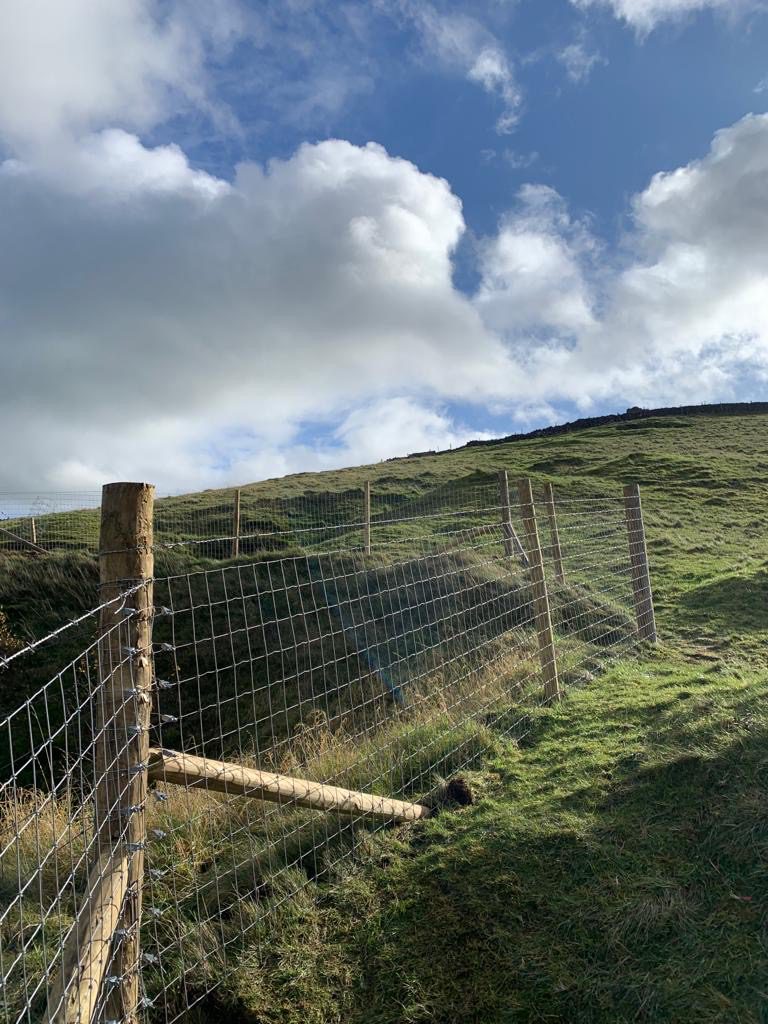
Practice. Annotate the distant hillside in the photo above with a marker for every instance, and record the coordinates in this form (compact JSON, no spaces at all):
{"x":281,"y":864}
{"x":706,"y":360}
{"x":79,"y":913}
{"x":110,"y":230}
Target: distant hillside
{"x":634,"y":413}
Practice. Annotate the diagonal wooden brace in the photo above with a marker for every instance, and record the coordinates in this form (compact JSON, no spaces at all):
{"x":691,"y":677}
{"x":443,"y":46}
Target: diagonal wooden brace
{"x":225,"y":777}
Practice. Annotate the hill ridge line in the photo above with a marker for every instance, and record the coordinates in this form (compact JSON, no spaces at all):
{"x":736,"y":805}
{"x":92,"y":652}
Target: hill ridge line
{"x":584,"y":423}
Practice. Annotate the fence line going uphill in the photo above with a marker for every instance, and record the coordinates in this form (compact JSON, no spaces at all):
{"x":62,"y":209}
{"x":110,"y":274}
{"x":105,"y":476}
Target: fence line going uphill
{"x":231,"y":732}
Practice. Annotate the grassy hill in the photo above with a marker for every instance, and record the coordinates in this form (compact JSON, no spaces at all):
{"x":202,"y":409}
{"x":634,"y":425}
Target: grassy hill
{"x":704,"y":480}
{"x":613,"y":865}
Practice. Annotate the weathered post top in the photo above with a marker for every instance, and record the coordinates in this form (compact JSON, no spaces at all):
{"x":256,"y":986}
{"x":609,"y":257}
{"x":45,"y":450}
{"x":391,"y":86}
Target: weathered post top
{"x":126,"y":538}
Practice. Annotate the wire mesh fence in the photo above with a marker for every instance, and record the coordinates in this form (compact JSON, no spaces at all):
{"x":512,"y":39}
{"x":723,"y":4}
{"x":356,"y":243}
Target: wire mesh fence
{"x":241,"y":521}
{"x":58,"y":749}
{"x":278,"y":711}
{"x":218,"y":524}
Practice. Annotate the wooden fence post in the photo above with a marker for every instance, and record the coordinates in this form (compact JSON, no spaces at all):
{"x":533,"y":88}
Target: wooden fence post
{"x":33,"y":530}
{"x":557,"y":554}
{"x":638,"y":555}
{"x":75,"y":992}
{"x":547,"y":655}
{"x":236,"y":525}
{"x":367,"y":517}
{"x":122,"y":743}
{"x":512,"y":545}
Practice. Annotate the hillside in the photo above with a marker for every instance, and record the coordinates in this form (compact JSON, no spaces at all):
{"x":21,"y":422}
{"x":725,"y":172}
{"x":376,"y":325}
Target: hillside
{"x":703,"y":480}
{"x":612,"y":867}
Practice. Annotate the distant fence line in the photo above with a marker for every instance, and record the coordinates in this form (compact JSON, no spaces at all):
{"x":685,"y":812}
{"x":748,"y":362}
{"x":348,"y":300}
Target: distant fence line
{"x":230,"y":523}
{"x":243,"y":521}
{"x":232,"y":733}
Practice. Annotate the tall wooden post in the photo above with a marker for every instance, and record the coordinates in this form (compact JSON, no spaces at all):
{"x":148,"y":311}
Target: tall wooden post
{"x":638,"y":555}
{"x":367,"y":517}
{"x":125,"y":703}
{"x":33,"y":530}
{"x":512,"y":545}
{"x":542,"y":617}
{"x":75,"y":993}
{"x":236,"y":525}
{"x":557,"y":554}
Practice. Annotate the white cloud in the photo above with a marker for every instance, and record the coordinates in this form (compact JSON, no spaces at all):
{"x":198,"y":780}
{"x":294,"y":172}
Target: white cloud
{"x":396,"y":425}
{"x":460,"y":41}
{"x":520,"y":161}
{"x":492,"y":70}
{"x":156,"y":322}
{"x":114,"y":164}
{"x":645,"y":15}
{"x":67,"y":68}
{"x":369,"y":433}
{"x":532,"y":269}
{"x":178,"y":309}
{"x":701,"y":280}
{"x":578,"y":61}
{"x":687,"y":317}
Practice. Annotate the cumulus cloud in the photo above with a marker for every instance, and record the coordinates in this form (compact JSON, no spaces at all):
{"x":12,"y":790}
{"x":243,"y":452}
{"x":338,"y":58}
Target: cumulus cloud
{"x":533,"y":268}
{"x":645,"y":15}
{"x":67,"y":68}
{"x":687,"y":316}
{"x":159,"y":322}
{"x":700,"y":284}
{"x":179,"y":309}
{"x":400,"y":424}
{"x":166,"y":451}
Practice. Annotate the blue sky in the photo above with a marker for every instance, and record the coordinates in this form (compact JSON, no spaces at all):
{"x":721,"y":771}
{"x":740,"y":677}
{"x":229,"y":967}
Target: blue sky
{"x":649,"y":103}
{"x":286,"y":236}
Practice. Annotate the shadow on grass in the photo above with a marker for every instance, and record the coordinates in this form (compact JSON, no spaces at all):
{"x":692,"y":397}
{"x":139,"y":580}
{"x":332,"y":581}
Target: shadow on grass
{"x":645,"y":903}
{"x":735,"y":603}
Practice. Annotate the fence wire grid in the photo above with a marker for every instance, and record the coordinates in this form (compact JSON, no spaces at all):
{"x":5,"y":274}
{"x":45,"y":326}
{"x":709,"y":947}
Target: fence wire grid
{"x":383,"y":670}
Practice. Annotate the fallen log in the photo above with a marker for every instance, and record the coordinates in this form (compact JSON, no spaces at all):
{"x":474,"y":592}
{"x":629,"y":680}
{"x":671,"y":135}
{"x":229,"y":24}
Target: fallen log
{"x":236,"y":780}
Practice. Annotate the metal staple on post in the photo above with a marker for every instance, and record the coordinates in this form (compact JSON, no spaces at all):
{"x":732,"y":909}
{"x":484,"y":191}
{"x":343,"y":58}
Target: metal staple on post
{"x":638,"y":554}
{"x":512,"y":544}
{"x":236,"y":525}
{"x":547,"y":654}
{"x":557,"y":554}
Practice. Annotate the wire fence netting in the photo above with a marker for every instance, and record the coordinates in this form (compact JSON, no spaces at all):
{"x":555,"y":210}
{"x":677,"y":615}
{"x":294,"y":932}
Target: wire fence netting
{"x":381,"y":670}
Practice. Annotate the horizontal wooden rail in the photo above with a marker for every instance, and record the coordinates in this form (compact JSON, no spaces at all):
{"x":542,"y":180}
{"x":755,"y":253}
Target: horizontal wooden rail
{"x":75,"y":992}
{"x":222,"y":777}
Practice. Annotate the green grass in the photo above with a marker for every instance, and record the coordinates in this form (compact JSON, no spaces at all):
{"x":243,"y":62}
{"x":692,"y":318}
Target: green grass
{"x":612,"y":869}
{"x":614,"y":865}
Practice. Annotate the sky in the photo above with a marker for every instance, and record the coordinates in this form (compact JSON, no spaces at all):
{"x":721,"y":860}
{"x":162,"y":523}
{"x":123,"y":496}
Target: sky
{"x":250,"y":238}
